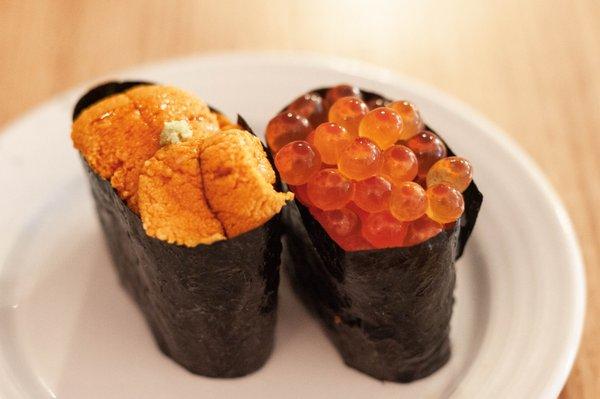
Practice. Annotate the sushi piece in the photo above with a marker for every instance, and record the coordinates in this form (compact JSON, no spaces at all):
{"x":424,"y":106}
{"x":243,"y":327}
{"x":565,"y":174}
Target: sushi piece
{"x":383,"y":210}
{"x":188,"y":205}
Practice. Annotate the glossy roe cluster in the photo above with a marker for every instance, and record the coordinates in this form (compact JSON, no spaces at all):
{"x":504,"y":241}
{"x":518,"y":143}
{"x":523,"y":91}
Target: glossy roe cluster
{"x":369,"y":172}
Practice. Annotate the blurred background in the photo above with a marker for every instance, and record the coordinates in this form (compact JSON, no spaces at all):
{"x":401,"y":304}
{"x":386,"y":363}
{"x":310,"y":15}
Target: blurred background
{"x":530,"y":66}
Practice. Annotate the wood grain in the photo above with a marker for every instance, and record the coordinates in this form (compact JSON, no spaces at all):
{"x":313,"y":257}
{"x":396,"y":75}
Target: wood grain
{"x":533,"y":67}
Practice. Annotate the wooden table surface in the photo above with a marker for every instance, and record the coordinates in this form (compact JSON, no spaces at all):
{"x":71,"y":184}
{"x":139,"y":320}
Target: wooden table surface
{"x":532,"y":67}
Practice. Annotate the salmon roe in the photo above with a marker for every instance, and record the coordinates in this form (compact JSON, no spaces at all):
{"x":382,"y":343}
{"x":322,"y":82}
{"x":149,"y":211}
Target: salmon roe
{"x":328,"y":189}
{"x":337,"y":92}
{"x":297,"y":162}
{"x":330,"y":139}
{"x":453,"y":171}
{"x":348,"y":112}
{"x":421,"y":230}
{"x":373,"y":194}
{"x":399,"y":164}
{"x":285,"y":128}
{"x":310,"y":106}
{"x":383,"y":126}
{"x":383,"y":230}
{"x":410,"y":117}
{"x":368,"y":173}
{"x":445,"y":204}
{"x":408,"y":201}
{"x":360,"y":159}
{"x":340,"y":222}
{"x":428,"y":148}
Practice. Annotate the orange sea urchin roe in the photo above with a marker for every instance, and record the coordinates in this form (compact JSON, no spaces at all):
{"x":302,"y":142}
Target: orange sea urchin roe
{"x":408,"y":201}
{"x":383,"y":126}
{"x":159,"y":104}
{"x":328,"y":189}
{"x":410,"y":116}
{"x":399,"y":164}
{"x":297,"y":162}
{"x":330,"y":139}
{"x":348,"y":112}
{"x":225,"y":123}
{"x":171,"y":199}
{"x":444,"y":203}
{"x":201,"y":186}
{"x":361,"y":159}
{"x":285,"y":128}
{"x":238,"y":192}
{"x":118,"y":134}
{"x":102,"y":131}
{"x":207,"y":189}
{"x":373,"y":194}
{"x":452,"y":171}
{"x":428,"y":148}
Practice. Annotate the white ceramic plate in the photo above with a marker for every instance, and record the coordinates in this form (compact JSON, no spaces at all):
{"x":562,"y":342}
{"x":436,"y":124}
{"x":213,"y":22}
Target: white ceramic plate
{"x":67,"y":330}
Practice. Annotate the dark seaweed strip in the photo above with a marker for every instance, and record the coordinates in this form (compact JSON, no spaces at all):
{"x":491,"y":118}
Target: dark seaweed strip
{"x":387,"y":311}
{"x":102,"y":91}
{"x":244,"y":125}
{"x":211,"y":308}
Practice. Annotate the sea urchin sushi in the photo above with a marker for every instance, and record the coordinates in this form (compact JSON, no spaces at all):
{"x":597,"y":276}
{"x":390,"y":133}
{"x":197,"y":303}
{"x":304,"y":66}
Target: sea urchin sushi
{"x":188,"y":205}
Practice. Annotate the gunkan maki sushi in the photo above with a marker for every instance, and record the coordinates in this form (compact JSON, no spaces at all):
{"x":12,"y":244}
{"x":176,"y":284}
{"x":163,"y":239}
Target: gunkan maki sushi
{"x":189,"y":208}
{"x":383,"y":210}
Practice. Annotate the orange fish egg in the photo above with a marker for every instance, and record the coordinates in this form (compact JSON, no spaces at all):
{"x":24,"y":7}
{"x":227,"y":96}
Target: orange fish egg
{"x":376,"y":102}
{"x":330,"y":139}
{"x":297,"y":162}
{"x":408,"y":201}
{"x":422,"y":230}
{"x":383,"y":126}
{"x":361,"y":159}
{"x":373,"y":194}
{"x":445,"y":204}
{"x":452,"y":171}
{"x":383,"y":230}
{"x":413,"y":123}
{"x":348,"y":112}
{"x":339,"y":91}
{"x":310,"y":106}
{"x":399,"y":164}
{"x":340,"y":223}
{"x":354,"y":242}
{"x":328,"y":189}
{"x":301,"y":195}
{"x":285,"y":128}
{"x":310,"y":139}
{"x":428,"y":148}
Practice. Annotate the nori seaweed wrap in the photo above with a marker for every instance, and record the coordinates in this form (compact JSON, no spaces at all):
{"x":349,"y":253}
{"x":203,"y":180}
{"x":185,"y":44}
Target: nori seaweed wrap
{"x":211,"y":307}
{"x":386,"y":310}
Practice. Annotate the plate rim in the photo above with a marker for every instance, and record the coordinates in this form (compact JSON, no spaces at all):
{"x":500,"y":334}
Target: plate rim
{"x":576,"y":266}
